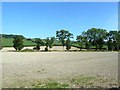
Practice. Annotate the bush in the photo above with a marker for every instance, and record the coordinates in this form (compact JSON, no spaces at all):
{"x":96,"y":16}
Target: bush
{"x":18,"y":43}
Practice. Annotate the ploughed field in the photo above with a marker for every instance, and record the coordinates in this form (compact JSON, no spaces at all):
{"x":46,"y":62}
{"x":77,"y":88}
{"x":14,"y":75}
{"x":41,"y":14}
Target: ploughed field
{"x":59,"y":69}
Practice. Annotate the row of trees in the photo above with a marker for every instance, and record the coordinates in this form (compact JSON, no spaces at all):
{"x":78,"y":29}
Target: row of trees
{"x":99,"y":38}
{"x":93,"y":37}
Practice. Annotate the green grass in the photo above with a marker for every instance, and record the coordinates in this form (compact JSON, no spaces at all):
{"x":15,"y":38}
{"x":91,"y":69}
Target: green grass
{"x":79,"y":82}
{"x":50,"y":85}
{"x":9,"y":42}
{"x":78,"y":46}
{"x":93,"y":82}
{"x":57,"y":43}
{"x":28,"y":43}
{"x":83,"y":81}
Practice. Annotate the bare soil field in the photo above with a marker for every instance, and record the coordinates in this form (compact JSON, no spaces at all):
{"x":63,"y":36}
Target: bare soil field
{"x":23,"y":69}
{"x":60,"y":48}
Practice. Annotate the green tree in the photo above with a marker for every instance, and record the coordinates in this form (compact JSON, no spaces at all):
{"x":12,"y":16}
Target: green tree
{"x":114,"y":37}
{"x":18,"y":43}
{"x":80,"y":41}
{"x":97,"y":37}
{"x":110,"y":45}
{"x":68,"y":44}
{"x":49,"y":43}
{"x":118,"y":40}
{"x":62,"y":35}
{"x":38,"y":42}
{"x":86,"y":41}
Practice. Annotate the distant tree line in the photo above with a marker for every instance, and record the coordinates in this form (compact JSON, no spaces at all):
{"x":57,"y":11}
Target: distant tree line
{"x":92,"y":38}
{"x":10,"y":36}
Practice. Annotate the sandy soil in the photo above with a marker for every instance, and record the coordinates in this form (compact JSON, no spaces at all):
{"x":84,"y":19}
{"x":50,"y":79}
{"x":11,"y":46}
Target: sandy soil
{"x":24,"y":68}
{"x":6,"y":49}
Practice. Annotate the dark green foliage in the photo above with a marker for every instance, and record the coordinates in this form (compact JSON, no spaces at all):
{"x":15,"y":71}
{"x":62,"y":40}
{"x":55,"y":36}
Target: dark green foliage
{"x":113,"y":40}
{"x":49,"y":43}
{"x":100,"y":43}
{"x":110,"y":45}
{"x":68,"y":44}
{"x":39,"y":42}
{"x":80,"y":41}
{"x":18,"y":43}
{"x":97,"y":37}
{"x":11,"y":36}
{"x":62,"y":35}
{"x":84,"y":41}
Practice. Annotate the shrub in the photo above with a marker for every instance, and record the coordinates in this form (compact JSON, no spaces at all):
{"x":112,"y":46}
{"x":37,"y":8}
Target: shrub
{"x":18,"y":43}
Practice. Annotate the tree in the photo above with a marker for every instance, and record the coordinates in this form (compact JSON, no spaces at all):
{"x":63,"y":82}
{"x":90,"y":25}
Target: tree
{"x":110,"y":45}
{"x":49,"y":43}
{"x":118,"y":39}
{"x":97,"y":37}
{"x":80,"y":41}
{"x":86,"y":40}
{"x":68,"y":44}
{"x":62,"y":35}
{"x":18,"y":43}
{"x":114,"y":40}
{"x":38,"y":42}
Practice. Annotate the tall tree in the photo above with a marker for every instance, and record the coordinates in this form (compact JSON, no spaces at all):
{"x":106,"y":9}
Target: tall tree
{"x":18,"y":43}
{"x":97,"y":37}
{"x":80,"y":41}
{"x":62,"y":35}
{"x":114,"y":37}
{"x":86,"y":40}
{"x":118,"y":39}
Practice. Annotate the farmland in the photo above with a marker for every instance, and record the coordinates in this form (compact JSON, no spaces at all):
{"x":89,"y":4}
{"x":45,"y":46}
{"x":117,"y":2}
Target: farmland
{"x":68,"y":69}
{"x":8,"y":42}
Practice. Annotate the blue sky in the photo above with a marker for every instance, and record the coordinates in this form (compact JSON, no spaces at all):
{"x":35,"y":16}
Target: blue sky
{"x":43,"y":19}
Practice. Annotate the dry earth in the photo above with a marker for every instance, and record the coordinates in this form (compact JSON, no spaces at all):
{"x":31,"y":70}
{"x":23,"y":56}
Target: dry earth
{"x":60,"y":48}
{"x":25,"y":68}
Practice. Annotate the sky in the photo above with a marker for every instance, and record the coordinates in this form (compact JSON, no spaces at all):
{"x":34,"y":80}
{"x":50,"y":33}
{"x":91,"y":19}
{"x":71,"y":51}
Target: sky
{"x":43,"y":19}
